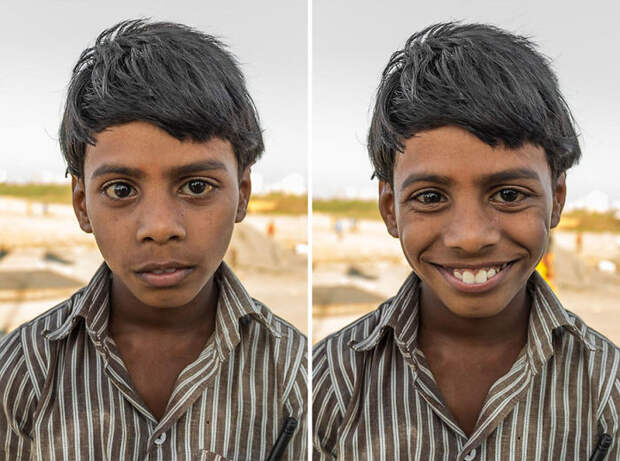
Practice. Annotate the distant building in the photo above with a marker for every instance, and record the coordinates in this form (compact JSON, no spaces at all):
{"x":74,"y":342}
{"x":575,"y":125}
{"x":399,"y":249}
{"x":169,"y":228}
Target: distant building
{"x":293,"y":183}
{"x":596,"y":201}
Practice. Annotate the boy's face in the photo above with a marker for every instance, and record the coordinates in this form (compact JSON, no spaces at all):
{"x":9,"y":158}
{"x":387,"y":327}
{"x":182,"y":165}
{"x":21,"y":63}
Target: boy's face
{"x":162,"y":211}
{"x":473,"y":221}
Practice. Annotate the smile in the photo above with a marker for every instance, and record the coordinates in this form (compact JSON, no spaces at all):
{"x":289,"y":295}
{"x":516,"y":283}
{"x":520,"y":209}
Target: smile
{"x":481,"y":275}
{"x":475,"y":279}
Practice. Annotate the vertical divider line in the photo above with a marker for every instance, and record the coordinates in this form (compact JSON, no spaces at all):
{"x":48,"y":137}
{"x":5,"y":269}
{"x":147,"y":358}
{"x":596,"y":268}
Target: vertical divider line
{"x":309,"y":144}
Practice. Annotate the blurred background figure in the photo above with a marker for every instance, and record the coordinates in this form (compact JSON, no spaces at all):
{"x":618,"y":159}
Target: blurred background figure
{"x":271,"y":229}
{"x":545,"y":266}
{"x":339,"y":228}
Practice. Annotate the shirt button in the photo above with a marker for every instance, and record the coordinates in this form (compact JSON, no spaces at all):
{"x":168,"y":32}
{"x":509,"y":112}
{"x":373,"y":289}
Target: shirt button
{"x":161,"y":439}
{"x":469,"y":457}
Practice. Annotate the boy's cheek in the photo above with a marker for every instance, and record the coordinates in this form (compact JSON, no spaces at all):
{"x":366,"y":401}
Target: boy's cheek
{"x":111,"y":235}
{"x":528,"y":229}
{"x":531,"y":232}
{"x":414,"y":238}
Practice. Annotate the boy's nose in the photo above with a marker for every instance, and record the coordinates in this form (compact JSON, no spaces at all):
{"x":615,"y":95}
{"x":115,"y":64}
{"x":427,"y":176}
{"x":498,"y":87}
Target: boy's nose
{"x":471,"y":229}
{"x":160,"y":221}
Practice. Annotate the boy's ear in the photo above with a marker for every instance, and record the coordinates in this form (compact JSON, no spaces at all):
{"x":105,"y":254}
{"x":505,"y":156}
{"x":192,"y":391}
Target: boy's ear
{"x":79,"y":203}
{"x":387,"y":209}
{"x":245,"y":189}
{"x":559,"y":197}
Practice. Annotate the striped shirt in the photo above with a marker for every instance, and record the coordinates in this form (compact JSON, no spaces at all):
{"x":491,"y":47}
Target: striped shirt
{"x":65,"y":393}
{"x":374,"y":396}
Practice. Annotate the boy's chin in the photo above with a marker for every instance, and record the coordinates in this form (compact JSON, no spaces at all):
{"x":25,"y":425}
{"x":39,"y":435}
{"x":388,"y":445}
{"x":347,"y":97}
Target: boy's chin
{"x":166,"y":299}
{"x":478,"y":306}
{"x":161,"y":297}
{"x":161,"y":292}
{"x":476,"y":311}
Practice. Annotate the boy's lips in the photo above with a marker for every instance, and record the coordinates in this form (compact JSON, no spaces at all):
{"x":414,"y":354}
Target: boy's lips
{"x":476,"y":278}
{"x":165,"y":274}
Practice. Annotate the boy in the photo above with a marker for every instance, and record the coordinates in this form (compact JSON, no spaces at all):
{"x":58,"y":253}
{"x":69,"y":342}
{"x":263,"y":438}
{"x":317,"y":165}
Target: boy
{"x":474,"y":358}
{"x":164,"y":355}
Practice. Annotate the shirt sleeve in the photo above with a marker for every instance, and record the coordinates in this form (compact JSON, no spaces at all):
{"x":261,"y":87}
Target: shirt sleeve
{"x":296,"y":402}
{"x":610,"y":421}
{"x":326,"y":411}
{"x":17,"y":400}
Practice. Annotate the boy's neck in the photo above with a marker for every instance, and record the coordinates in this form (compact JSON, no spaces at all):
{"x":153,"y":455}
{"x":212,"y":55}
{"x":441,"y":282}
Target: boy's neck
{"x":129,"y":314}
{"x":441,"y":324}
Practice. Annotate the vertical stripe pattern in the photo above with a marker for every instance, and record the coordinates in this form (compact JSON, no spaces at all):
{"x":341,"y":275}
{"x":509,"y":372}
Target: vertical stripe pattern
{"x":66,"y":394}
{"x":374,"y":396}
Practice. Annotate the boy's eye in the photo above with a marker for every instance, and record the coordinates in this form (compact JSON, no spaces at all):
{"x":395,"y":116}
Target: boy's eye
{"x":119,"y":190}
{"x":508,"y":196}
{"x":429,"y":197}
{"x":196,"y":187}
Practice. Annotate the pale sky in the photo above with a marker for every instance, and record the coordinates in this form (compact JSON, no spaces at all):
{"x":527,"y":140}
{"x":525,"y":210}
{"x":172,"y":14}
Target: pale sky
{"x":352,"y":41}
{"x":40,"y":41}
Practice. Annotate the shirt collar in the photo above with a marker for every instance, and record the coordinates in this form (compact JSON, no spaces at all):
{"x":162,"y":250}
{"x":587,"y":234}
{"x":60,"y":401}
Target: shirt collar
{"x":235,"y":305}
{"x":235,"y":308}
{"x":547,"y":318}
{"x":90,"y":303}
{"x":399,"y":316}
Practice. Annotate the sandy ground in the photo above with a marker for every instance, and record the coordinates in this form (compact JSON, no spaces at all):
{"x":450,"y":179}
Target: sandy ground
{"x":364,"y":256}
{"x":48,"y":258}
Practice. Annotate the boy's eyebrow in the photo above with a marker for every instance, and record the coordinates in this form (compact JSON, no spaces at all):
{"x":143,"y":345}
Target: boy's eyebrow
{"x":174,"y":172}
{"x":118,"y":169}
{"x":508,"y":175}
{"x":195,"y":167}
{"x":425,"y":177}
{"x":500,"y":176}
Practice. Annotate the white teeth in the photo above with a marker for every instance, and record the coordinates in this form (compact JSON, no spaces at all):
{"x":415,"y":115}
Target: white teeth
{"x":468,"y":277}
{"x":169,"y":270}
{"x":481,"y":276}
{"x":476,"y":276}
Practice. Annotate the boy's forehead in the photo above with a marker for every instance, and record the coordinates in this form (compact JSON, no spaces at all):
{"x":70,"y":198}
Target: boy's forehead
{"x":457,"y":155}
{"x":146,"y":147}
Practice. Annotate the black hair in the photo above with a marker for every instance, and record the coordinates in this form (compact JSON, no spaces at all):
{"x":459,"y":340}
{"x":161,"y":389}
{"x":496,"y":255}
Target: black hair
{"x":175,"y":77}
{"x":492,"y":83}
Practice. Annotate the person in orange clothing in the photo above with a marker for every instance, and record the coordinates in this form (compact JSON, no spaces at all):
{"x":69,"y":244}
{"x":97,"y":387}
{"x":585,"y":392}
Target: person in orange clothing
{"x":545,"y":267}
